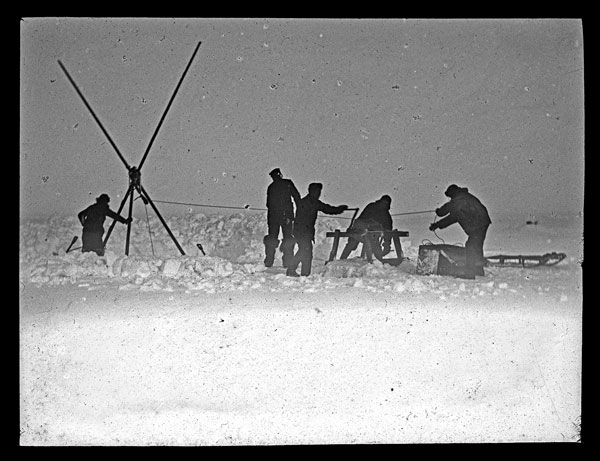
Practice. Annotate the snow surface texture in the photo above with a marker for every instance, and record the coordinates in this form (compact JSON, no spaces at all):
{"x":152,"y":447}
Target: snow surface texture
{"x":160,"y":348}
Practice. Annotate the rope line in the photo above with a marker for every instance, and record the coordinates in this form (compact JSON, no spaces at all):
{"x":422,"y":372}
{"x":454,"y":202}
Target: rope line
{"x":443,"y":241}
{"x":212,"y":206}
{"x":264,"y":209}
{"x":414,"y":212}
{"x":435,"y":233}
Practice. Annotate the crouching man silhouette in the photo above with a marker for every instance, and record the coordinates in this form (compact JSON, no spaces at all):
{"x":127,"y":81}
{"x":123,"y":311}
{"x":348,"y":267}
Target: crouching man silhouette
{"x":92,"y":220}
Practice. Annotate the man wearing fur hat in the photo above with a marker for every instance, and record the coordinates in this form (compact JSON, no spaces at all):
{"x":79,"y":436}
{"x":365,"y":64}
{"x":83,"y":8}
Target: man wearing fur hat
{"x":92,"y":220}
{"x":466,"y":209}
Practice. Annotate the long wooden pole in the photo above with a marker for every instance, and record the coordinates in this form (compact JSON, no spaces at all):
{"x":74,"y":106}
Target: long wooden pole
{"x":94,"y":115}
{"x":168,"y":107}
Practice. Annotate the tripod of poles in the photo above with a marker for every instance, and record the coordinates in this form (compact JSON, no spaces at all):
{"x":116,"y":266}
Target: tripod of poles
{"x":134,"y":173}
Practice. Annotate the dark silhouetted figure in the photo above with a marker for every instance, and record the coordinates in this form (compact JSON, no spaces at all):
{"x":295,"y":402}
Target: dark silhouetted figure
{"x":466,"y":209}
{"x":304,"y":228}
{"x":280,"y":215}
{"x":375,"y":217}
{"x":92,"y":220}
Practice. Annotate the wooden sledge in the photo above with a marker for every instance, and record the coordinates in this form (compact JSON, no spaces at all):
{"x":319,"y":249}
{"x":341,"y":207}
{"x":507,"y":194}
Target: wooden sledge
{"x":450,"y":260}
{"x":548,"y":259}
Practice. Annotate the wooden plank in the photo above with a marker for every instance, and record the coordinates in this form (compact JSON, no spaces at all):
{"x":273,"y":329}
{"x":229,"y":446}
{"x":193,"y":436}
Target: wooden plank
{"x":351,"y":234}
{"x":334,"y":247}
{"x":398,"y":245}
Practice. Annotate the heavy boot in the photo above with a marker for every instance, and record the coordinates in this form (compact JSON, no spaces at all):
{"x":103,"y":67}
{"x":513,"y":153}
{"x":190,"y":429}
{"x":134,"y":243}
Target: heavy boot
{"x":287,"y":250}
{"x":271,"y":245}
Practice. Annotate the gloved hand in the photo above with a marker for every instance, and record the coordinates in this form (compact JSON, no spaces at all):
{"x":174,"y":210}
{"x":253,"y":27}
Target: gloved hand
{"x":128,"y":220}
{"x":433,"y":226}
{"x":344,"y":207}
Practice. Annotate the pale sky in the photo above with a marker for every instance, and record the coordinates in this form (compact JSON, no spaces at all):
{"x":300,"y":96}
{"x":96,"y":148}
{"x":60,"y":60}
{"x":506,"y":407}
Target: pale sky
{"x":367,"y":107}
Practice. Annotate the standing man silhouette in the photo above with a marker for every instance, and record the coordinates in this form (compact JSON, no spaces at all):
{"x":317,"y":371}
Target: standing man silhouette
{"x":304,"y":228}
{"x":280,"y":215}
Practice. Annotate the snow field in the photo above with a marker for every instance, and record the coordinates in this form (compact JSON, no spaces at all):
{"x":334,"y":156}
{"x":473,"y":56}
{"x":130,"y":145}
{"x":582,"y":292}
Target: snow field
{"x":217,"y":350}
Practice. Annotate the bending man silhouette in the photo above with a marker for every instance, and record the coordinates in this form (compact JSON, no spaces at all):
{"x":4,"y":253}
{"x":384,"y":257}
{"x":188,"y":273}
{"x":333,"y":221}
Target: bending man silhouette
{"x":375,"y":217}
{"x":466,"y":209}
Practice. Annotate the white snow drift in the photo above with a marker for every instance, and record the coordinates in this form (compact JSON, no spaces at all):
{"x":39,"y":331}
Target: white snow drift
{"x":160,"y":348}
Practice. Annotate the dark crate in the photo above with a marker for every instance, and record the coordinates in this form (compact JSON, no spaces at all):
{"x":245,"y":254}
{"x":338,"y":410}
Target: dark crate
{"x":441,"y":260}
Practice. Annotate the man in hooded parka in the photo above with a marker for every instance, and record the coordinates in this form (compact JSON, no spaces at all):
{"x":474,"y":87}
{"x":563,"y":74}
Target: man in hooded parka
{"x":280,"y":215}
{"x":466,"y":209}
{"x":92,"y":220}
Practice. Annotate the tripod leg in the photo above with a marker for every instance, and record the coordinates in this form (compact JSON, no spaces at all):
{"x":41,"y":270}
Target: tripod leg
{"x":112,"y":226}
{"x":162,"y":220}
{"x":129,"y":223}
{"x":94,"y":115}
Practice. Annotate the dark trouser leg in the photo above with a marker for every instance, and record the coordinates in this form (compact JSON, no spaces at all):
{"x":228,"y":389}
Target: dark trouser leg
{"x":481,"y":261}
{"x":305,"y":249}
{"x":288,"y":242}
{"x":92,"y":241}
{"x":374,"y":247}
{"x":474,"y":252}
{"x":349,"y":248}
{"x":303,"y":257}
{"x":271,"y":240}
{"x":293,"y":263}
{"x":270,"y":248}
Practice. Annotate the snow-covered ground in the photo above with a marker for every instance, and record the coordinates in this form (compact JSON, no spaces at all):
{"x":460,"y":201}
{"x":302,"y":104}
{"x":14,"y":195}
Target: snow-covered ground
{"x":159,"y":348}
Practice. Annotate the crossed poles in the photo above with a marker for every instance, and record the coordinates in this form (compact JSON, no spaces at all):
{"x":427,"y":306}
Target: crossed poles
{"x":134,"y":172}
